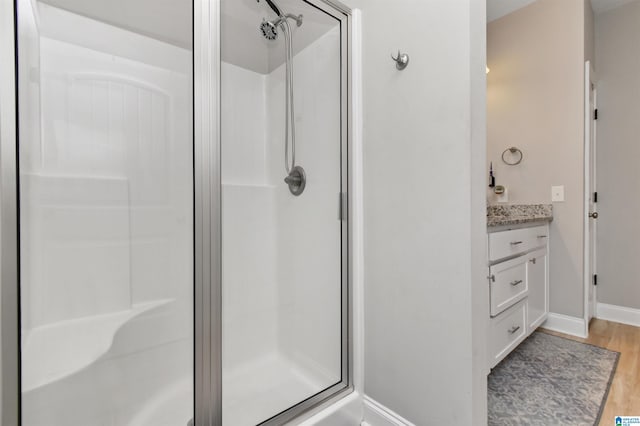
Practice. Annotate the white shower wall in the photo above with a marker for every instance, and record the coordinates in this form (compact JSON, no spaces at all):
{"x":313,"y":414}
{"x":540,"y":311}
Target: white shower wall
{"x":249,"y":227}
{"x":105,"y":192}
{"x":106,"y":196}
{"x":281,"y":253}
{"x":309,"y":243}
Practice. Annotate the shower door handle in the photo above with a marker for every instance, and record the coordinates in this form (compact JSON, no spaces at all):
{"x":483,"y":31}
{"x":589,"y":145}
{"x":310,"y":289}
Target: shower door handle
{"x":342,"y":206}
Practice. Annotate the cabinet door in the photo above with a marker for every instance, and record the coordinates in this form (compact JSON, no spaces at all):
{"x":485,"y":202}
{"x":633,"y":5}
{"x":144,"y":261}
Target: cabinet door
{"x":538,"y":300}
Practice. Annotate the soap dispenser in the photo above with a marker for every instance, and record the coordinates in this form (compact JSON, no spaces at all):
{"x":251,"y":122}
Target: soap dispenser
{"x":492,"y":178}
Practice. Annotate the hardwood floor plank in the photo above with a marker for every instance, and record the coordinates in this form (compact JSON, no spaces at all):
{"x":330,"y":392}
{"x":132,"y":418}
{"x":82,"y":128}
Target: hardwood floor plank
{"x":624,"y":395}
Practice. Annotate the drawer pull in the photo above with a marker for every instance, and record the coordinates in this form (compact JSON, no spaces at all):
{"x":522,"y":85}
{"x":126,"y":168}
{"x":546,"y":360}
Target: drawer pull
{"x":514,"y":329}
{"x":542,"y":236}
{"x":492,"y":278}
{"x":515,"y":243}
{"x":533,"y":260}
{"x":515,"y":283}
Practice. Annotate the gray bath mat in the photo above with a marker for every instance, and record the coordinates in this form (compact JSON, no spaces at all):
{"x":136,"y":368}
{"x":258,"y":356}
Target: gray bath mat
{"x":551,"y":381}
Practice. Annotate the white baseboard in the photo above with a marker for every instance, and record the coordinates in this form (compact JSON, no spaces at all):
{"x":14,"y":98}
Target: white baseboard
{"x":619,"y":314}
{"x":565,"y":324}
{"x":376,"y":414}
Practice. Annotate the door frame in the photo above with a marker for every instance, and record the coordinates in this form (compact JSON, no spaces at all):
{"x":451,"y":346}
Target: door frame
{"x":207,"y":214}
{"x":589,"y":243}
{"x":9,"y":219}
{"x":207,"y":221}
{"x":348,"y":205}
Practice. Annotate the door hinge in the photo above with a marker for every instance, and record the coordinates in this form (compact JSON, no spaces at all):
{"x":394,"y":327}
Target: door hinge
{"x":595,"y":197}
{"x":342,"y":206}
{"x":595,"y":114}
{"x":595,"y":279}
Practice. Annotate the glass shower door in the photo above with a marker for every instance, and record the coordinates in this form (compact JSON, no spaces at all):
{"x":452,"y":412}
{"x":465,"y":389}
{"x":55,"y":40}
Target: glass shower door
{"x":284,"y":227}
{"x":106,"y":213}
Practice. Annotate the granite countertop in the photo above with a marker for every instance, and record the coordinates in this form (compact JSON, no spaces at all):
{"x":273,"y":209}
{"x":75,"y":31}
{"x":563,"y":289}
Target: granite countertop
{"x":518,"y":213}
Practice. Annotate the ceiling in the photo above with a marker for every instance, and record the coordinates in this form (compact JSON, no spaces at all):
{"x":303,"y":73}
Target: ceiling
{"x":600,"y":6}
{"x":171,"y":21}
{"x":499,"y":8}
{"x":165,"y":20}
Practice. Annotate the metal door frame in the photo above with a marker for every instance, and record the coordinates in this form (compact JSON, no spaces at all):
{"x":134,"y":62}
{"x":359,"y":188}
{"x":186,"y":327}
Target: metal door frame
{"x":207,"y":218}
{"x":9,"y":218}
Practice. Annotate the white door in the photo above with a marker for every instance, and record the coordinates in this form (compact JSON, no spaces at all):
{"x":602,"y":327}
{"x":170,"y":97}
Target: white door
{"x":591,"y":192}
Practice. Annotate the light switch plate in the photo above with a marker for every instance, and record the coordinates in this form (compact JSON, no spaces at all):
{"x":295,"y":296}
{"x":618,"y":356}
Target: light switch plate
{"x":557,"y":194}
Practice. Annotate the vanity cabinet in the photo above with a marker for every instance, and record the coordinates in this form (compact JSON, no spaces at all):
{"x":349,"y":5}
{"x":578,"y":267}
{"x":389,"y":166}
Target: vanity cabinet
{"x":519,"y":287}
{"x":537,"y":300}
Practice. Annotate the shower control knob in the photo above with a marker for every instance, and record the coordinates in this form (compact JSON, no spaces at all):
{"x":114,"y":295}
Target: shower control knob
{"x":293,"y":180}
{"x":297,"y":180}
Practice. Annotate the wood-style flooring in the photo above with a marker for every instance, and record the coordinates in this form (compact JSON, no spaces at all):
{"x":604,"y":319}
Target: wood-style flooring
{"x":624,"y":396}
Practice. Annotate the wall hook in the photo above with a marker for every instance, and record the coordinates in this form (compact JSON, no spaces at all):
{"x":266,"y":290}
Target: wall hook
{"x":402,"y":60}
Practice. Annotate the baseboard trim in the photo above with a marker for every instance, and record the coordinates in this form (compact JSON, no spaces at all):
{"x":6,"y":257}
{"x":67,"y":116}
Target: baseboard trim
{"x":619,"y":314}
{"x":376,"y":414}
{"x":565,"y":324}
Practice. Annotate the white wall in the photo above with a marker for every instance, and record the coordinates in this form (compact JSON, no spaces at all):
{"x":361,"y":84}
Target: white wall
{"x":309,"y":246}
{"x":423,"y":143}
{"x":248,"y":221}
{"x":535,"y":102}
{"x":618,"y":76}
{"x":281,"y":253}
{"x":106,"y":208}
{"x":106,"y":211}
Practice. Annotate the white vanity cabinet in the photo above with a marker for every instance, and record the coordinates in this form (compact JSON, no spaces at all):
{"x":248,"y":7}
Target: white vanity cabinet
{"x":538,"y":298}
{"x":518,"y":286}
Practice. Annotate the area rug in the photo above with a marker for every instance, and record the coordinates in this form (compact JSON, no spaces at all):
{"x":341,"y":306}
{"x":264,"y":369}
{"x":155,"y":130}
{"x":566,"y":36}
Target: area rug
{"x":548,"y":381}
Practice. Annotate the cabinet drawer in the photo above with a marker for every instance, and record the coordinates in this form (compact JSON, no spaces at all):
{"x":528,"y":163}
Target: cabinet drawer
{"x":508,"y":283}
{"x":507,"y":330}
{"x":515,"y":241}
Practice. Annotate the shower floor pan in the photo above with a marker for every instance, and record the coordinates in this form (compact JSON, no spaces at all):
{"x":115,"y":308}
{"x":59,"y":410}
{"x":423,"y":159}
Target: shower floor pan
{"x":252,"y":394}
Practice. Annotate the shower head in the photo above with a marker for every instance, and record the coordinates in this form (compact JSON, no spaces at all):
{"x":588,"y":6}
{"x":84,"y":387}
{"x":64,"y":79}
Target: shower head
{"x":269,"y":29}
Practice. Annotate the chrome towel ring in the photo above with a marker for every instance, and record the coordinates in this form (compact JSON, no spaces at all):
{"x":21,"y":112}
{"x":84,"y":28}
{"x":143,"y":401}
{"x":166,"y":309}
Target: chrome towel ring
{"x":515,"y":152}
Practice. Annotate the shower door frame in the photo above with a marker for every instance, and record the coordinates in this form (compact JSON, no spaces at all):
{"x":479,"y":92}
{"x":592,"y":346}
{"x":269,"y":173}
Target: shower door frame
{"x":344,"y":16}
{"x":205,"y":15}
{"x":9,"y":220}
{"x":207,"y":219}
{"x":345,"y":386}
{"x":207,"y":214}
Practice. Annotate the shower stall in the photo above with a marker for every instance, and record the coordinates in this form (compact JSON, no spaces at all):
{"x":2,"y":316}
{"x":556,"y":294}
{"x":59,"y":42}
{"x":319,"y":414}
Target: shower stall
{"x":175,"y":221}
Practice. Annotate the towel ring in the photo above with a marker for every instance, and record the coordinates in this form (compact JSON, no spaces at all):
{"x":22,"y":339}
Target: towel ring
{"x":512,"y":150}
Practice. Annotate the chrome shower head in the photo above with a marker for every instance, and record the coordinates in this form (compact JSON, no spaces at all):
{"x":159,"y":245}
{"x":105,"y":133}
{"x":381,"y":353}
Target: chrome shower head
{"x":269,"y":29}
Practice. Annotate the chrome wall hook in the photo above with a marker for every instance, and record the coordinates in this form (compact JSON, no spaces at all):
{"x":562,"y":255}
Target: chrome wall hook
{"x":402,"y":60}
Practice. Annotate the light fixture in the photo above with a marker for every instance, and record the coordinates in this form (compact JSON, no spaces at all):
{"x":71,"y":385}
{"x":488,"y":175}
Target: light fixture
{"x":487,"y":69}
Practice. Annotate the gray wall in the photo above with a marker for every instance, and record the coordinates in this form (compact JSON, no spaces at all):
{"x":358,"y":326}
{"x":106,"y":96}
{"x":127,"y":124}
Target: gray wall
{"x":424,"y":143}
{"x":536,"y":102}
{"x":589,"y":33}
{"x":618,"y":152}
